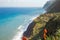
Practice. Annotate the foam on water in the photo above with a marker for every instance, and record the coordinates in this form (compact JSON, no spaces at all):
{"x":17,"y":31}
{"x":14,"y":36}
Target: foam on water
{"x":22,"y":28}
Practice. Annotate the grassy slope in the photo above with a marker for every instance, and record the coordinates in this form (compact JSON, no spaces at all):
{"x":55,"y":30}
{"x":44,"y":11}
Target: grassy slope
{"x":51,"y":22}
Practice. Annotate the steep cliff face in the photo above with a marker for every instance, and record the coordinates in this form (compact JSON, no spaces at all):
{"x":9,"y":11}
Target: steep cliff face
{"x":52,"y":6}
{"x":50,"y":22}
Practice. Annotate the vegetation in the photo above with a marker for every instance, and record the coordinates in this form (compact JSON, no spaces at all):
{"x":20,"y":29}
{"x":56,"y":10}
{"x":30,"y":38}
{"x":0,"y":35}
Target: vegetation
{"x":51,"y":22}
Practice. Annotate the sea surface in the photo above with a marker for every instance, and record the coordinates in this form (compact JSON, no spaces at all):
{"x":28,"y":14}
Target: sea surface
{"x":14,"y":21}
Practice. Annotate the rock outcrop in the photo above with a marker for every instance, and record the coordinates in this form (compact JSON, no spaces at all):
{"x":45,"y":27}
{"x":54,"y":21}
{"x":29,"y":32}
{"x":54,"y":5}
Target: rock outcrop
{"x":29,"y":29}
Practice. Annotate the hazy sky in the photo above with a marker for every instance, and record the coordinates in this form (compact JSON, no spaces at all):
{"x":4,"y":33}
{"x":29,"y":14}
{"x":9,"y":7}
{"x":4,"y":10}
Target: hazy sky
{"x":22,"y":3}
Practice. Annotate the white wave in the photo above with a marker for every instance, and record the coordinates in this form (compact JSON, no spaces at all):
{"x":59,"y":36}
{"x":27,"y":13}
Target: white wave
{"x":23,"y":28}
{"x":34,"y":17}
{"x":20,"y":27}
{"x":19,"y":34}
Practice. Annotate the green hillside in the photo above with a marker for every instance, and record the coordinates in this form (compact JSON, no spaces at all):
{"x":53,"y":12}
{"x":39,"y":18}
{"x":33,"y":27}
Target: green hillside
{"x":50,"y":21}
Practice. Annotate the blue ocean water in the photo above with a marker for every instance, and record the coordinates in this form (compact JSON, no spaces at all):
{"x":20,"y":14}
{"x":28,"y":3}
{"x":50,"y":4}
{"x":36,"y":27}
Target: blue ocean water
{"x":13,"y":21}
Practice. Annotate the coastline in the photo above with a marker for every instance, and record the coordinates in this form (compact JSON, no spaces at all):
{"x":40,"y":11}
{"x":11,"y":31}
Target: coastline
{"x":29,"y":30}
{"x":20,"y":32}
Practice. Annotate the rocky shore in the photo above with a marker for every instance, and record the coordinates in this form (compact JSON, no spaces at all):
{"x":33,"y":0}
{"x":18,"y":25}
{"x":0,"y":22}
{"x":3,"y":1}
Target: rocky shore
{"x":29,"y":30}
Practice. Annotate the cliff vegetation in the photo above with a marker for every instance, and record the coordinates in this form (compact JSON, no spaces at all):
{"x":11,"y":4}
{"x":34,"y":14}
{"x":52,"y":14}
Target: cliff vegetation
{"x":48,"y":21}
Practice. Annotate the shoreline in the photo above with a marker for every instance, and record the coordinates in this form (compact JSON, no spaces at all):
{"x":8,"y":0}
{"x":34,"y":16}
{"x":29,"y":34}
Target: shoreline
{"x":19,"y":34}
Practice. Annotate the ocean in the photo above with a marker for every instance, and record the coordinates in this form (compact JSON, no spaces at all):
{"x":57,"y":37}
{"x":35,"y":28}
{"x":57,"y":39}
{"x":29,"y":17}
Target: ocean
{"x":14,"y":21}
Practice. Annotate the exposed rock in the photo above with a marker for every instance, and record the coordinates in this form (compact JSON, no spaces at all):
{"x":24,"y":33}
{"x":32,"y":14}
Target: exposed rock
{"x":28,"y":33}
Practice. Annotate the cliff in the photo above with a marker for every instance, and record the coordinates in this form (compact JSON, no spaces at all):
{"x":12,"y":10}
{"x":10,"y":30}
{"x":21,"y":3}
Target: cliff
{"x":52,"y":6}
{"x":46,"y":26}
{"x":50,"y":21}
